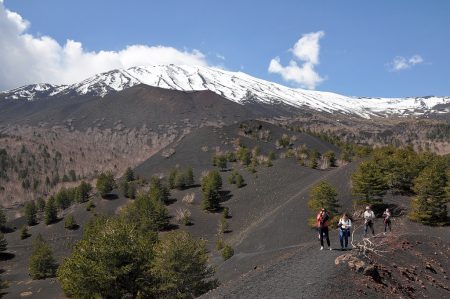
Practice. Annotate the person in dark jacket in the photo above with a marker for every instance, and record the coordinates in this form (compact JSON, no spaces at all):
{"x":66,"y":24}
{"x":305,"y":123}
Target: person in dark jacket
{"x":322,"y":226}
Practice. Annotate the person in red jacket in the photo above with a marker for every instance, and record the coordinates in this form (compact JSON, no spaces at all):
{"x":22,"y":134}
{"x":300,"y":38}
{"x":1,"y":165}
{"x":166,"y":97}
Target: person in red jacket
{"x":322,"y":226}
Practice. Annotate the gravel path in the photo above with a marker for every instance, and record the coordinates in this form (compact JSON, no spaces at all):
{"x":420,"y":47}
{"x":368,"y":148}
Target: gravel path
{"x":303,"y":272}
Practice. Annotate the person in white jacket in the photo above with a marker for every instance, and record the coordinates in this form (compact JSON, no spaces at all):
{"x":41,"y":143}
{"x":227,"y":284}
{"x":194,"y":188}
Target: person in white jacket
{"x":344,"y":226}
{"x":369,"y":217}
{"x":387,"y":220}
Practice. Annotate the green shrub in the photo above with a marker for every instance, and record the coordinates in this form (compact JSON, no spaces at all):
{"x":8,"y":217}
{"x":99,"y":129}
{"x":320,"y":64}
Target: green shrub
{"x":42,"y":264}
{"x":129,"y":175}
{"x":50,"y":212}
{"x":226,"y":212}
{"x":105,"y":183}
{"x":24,"y":232}
{"x":223,"y":226}
{"x":219,"y":244}
{"x":244,"y":155}
{"x":158,"y":191}
{"x":2,"y":218}
{"x":69,"y":222}
{"x":40,"y":204}
{"x":227,"y":252}
{"x":30,"y":213}
{"x":3,"y":243}
{"x":82,"y":192}
{"x":239,"y":181}
{"x":90,"y":206}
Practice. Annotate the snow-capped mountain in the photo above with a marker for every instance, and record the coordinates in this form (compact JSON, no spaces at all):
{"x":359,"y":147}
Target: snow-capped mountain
{"x":235,"y":86}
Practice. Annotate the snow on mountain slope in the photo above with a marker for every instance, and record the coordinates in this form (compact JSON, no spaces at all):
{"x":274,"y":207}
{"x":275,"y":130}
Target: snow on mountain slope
{"x":33,"y":91}
{"x":235,"y":86}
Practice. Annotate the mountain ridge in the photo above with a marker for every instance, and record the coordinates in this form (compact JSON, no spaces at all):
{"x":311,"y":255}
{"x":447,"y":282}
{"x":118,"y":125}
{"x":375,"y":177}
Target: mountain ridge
{"x":235,"y":86}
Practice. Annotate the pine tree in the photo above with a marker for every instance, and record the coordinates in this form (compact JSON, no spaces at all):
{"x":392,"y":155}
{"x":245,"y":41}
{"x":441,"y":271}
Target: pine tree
{"x":369,"y":183}
{"x":181,"y":266}
{"x":189,"y":177}
{"x":147,"y":213}
{"x":132,"y":190}
{"x":129,"y":175}
{"x":180,"y":180}
{"x":244,"y":155}
{"x":231,"y":157}
{"x":171,"y":179}
{"x":221,"y":161}
{"x":226,"y":213}
{"x":315,"y":155}
{"x":70,"y":222}
{"x":30,"y":213}
{"x":3,"y":243}
{"x":429,"y":204}
{"x":330,"y":157}
{"x":3,"y":285}
{"x":72,"y":175}
{"x":50,"y":212}
{"x":42,"y":264}
{"x":24,"y":232}
{"x":63,"y":198}
{"x":211,"y":185}
{"x":227,"y":252}
{"x":346,"y":154}
{"x":112,"y":260}
{"x":239,"y":181}
{"x":2,"y":219}
{"x":324,"y":195}
{"x":447,"y":187}
{"x":272,"y":155}
{"x":223,"y":226}
{"x":105,"y":183}
{"x":82,"y":192}
{"x":124,"y":188}
{"x":158,"y":191}
{"x":40,"y":204}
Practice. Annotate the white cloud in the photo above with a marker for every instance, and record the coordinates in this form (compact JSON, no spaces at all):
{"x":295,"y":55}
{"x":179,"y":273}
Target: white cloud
{"x":306,"y":50}
{"x":401,"y":63}
{"x":26,"y":59}
{"x":220,"y":56}
{"x":416,"y":59}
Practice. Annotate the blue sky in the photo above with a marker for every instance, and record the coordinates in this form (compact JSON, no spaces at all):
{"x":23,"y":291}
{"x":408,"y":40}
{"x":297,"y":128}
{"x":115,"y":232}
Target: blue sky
{"x":366,"y":48}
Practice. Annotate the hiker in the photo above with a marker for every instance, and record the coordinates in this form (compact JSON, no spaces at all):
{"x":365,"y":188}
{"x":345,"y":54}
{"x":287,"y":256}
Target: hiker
{"x":369,"y":217}
{"x":344,"y":226}
{"x":322,"y":226}
{"x":387,"y":220}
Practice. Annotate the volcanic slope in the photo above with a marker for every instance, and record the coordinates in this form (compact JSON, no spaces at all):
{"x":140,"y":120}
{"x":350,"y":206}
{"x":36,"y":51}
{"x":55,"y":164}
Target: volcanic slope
{"x":89,"y":134}
{"x":276,"y":253}
{"x":131,"y":108}
{"x":266,"y":190}
{"x":269,"y":214}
